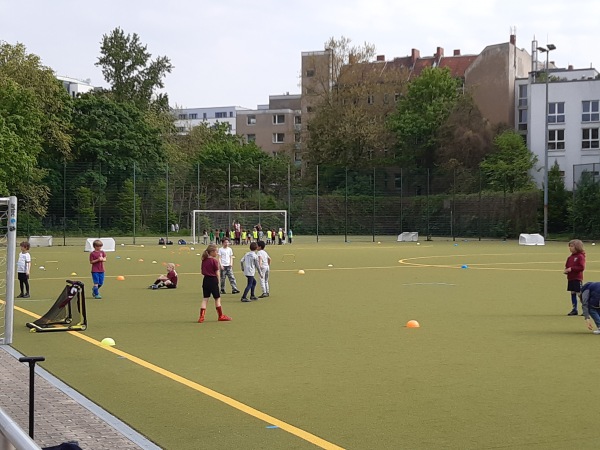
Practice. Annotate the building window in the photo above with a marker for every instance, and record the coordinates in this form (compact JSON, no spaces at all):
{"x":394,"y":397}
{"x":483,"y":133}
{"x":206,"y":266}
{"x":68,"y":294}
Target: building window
{"x":182,"y":116}
{"x":386,"y":98}
{"x":250,"y":138}
{"x":204,"y":116}
{"x":230,"y":113}
{"x":556,"y":139}
{"x":370,"y":99}
{"x":220,"y":115}
{"x":297,"y":120}
{"x":310,"y":109}
{"x":278,"y":138}
{"x":590,"y":111}
{"x":251,"y":120}
{"x":556,"y":112}
{"x":522,"y":120}
{"x":180,"y":129}
{"x":589,"y":139}
{"x":523,"y":95}
{"x":278,"y":119}
{"x":193,"y":116}
{"x":397,"y":97}
{"x":310,"y":73}
{"x":297,"y":137}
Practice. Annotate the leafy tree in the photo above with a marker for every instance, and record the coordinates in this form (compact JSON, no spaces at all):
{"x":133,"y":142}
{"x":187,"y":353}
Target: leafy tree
{"x":345,"y":54}
{"x":21,"y":142}
{"x":465,"y":137}
{"x":508,"y":167}
{"x":117,"y":135}
{"x":349,"y":125}
{"x":429,"y":100}
{"x":127,"y":67}
{"x":585,"y":207}
{"x":49,"y":97}
{"x":559,"y":200}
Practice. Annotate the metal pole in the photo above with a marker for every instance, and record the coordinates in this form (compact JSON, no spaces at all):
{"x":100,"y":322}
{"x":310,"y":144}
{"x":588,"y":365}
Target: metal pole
{"x":546,"y":151}
{"x":317,"y":203}
{"x":167,"y":201}
{"x":259,"y":193}
{"x":346,"y":210}
{"x":11,"y":249}
{"x":229,"y":191}
{"x":373,"y":204}
{"x":134,"y":203}
{"x":31,"y":360}
{"x":100,"y":207}
{"x":546,"y":50}
{"x":289,"y":224}
{"x":64,"y":203}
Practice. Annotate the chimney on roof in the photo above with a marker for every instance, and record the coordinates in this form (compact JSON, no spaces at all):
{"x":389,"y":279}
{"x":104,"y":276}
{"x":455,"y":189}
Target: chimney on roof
{"x":380,"y":57}
{"x":414,"y":55}
{"x":513,"y":39}
{"x":439,"y":52}
{"x":570,"y":66}
{"x":457,"y":52}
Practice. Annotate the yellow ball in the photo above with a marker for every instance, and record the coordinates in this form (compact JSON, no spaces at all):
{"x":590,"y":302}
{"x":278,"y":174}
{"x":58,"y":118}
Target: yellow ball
{"x":109,"y":342}
{"x":301,"y":272}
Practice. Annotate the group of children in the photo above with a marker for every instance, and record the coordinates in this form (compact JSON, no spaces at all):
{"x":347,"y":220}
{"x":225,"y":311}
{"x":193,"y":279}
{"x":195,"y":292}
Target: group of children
{"x":239,"y":236}
{"x":217,"y":266}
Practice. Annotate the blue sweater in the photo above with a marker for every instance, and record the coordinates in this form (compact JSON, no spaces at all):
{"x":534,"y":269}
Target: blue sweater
{"x":590,"y":297}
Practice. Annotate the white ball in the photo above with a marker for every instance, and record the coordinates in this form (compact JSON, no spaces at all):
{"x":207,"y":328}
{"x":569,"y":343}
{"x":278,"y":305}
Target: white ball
{"x":593,"y":243}
{"x":418,"y":243}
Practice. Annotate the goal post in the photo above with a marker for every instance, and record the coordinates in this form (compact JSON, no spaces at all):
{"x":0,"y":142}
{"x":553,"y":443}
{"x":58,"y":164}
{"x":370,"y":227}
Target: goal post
{"x":8,"y":250}
{"x":223,"y":219}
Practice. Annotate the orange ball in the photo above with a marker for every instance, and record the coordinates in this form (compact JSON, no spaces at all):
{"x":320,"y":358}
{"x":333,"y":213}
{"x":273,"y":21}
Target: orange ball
{"x":120,"y":278}
{"x":412,"y":324}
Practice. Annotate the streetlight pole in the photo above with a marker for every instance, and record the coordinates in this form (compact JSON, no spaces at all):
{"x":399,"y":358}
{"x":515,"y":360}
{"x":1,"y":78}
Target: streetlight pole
{"x":546,"y":50}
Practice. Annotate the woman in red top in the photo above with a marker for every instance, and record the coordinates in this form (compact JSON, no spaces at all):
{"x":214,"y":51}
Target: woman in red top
{"x":574,"y":268}
{"x":210,"y":284}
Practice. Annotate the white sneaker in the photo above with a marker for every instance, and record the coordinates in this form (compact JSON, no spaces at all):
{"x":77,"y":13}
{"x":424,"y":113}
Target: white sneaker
{"x":596,"y":331}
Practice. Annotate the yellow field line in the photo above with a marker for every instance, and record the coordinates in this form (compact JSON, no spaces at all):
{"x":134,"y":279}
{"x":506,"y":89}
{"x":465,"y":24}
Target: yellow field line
{"x":309,"y":437}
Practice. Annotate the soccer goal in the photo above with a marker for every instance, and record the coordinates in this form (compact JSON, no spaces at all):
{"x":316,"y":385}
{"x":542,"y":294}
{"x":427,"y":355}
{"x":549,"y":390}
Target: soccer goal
{"x":225,"y":219}
{"x":8,"y":248}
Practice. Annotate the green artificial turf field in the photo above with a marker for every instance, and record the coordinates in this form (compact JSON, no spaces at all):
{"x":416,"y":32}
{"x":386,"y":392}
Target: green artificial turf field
{"x":327,"y":358}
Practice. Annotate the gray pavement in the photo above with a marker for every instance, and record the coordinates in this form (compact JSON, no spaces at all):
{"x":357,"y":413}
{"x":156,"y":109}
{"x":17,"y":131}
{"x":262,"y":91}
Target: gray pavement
{"x":61,"y":413}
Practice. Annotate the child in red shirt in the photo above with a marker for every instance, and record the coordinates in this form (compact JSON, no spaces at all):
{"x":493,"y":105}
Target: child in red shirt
{"x":169,"y":280}
{"x":574,"y":268}
{"x":210,"y":284}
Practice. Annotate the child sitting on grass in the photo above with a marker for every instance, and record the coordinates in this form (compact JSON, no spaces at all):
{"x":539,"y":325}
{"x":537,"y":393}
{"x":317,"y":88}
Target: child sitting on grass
{"x":169,"y":280}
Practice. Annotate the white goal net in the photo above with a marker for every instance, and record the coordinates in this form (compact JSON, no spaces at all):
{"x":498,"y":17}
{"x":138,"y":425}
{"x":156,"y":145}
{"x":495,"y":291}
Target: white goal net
{"x":8,"y":248}
{"x":225,"y":221}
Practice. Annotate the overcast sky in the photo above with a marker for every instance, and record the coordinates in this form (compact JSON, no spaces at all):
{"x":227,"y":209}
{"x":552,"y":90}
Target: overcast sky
{"x":238,"y":52}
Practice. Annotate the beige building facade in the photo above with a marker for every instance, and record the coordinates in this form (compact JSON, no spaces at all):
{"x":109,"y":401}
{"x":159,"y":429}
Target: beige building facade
{"x":276,"y":127}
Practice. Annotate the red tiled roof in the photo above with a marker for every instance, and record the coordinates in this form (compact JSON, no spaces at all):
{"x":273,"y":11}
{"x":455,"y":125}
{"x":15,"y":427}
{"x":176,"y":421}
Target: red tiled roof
{"x":458,"y":65}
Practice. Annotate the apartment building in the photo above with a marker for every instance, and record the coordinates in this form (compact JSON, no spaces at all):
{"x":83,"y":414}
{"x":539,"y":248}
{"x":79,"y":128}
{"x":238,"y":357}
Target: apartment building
{"x":573,"y":119}
{"x":187,"y":118}
{"x":276,"y":127}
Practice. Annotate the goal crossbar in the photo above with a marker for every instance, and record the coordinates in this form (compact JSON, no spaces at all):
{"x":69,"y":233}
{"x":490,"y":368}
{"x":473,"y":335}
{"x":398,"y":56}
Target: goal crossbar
{"x":232,"y":213}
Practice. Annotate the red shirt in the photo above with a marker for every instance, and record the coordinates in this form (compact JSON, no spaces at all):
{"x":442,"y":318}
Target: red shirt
{"x":577,"y":264}
{"x":172,"y":277}
{"x":210,"y":267}
{"x":97,"y":266}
